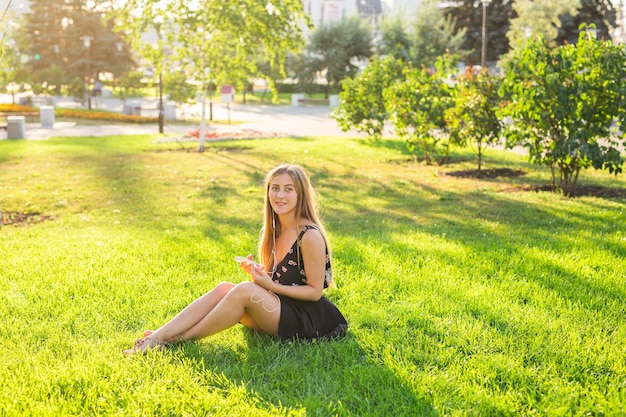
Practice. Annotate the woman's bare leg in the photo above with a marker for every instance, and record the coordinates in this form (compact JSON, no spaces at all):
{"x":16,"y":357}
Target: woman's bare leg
{"x":192,"y":314}
{"x":247,"y":303}
{"x":221,"y":308}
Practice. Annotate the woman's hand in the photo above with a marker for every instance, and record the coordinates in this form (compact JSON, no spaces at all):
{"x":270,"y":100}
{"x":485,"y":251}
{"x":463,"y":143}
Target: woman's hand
{"x":247,"y":266}
{"x":257,"y":273}
{"x":260,"y":277}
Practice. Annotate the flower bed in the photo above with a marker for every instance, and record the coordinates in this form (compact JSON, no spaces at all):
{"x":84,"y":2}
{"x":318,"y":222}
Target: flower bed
{"x":81,"y":114}
{"x":15,"y":108}
{"x":241,"y":134}
{"x":102,"y":115}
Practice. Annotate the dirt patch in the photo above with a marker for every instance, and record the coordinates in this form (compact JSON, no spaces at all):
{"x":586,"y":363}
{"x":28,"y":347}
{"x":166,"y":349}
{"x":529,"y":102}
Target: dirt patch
{"x":23,"y":219}
{"x":487,"y":173}
{"x":581,"y":190}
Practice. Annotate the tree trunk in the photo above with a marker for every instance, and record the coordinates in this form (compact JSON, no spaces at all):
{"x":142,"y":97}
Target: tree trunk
{"x":480,"y":156}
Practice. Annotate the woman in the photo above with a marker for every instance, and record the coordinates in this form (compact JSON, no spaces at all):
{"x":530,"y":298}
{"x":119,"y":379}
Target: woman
{"x":284,"y":297}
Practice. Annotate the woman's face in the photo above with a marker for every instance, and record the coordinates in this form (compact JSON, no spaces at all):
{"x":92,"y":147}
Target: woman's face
{"x":282,"y":194}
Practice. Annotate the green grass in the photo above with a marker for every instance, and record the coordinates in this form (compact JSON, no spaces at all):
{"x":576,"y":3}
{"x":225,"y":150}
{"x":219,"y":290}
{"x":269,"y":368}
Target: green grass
{"x":259,"y":98}
{"x":464,"y":296}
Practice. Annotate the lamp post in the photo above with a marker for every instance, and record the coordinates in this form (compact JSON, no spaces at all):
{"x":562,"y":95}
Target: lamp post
{"x":161,"y":108}
{"x":87,"y":43}
{"x":119,"y":47}
{"x":56,"y":54}
{"x":484,"y":50}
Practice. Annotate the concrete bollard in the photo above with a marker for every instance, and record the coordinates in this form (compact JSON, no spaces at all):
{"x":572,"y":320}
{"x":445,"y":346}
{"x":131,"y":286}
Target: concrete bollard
{"x":169,"y":111}
{"x":46,"y":117}
{"x":295,"y":98}
{"x":16,"y":127}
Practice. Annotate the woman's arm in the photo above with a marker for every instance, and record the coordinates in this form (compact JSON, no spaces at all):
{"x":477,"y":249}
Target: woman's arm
{"x":313,"y":248}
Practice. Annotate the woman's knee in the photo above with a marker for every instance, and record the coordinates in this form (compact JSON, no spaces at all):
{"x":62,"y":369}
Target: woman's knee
{"x":224,"y":287}
{"x":244,"y":289}
{"x":246,"y":293}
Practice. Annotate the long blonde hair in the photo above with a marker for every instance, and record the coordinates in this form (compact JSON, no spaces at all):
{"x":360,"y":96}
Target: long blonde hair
{"x":306,"y":208}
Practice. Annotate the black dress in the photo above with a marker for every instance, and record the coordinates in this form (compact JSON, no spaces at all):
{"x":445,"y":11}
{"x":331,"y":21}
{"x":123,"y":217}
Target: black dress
{"x":300,"y":319}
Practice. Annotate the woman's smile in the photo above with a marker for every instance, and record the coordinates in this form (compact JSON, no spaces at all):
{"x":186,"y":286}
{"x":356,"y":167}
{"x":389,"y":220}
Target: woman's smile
{"x":282,"y":194}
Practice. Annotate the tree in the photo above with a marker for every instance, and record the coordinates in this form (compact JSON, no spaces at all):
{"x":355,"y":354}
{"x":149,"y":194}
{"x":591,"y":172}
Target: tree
{"x":539,"y":17}
{"x":333,"y":49}
{"x":564,"y":101}
{"x":52,"y":36}
{"x":3,"y":33}
{"x":9,"y":64}
{"x":417,"y":106}
{"x":267,"y":71}
{"x":361,"y":104}
{"x":474,"y":117}
{"x":130,"y":82}
{"x":176,"y":85}
{"x":600,"y":13}
{"x":433,"y":35}
{"x":467,"y":15}
{"x":49,"y":80}
{"x":212,"y":40}
{"x":395,"y":38}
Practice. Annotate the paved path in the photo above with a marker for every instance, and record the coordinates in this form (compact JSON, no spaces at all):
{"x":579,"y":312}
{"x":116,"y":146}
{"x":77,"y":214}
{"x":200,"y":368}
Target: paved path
{"x":288,"y":120}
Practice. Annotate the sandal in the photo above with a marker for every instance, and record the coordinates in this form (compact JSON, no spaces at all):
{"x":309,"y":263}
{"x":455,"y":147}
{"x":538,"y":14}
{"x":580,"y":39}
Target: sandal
{"x":144,"y":344}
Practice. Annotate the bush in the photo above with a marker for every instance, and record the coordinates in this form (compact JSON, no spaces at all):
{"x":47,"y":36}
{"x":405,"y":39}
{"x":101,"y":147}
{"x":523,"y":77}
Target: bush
{"x":564,"y":102}
{"x":77,"y":88}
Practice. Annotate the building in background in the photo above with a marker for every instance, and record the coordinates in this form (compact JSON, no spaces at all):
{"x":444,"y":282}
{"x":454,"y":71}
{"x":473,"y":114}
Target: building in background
{"x":326,"y":11}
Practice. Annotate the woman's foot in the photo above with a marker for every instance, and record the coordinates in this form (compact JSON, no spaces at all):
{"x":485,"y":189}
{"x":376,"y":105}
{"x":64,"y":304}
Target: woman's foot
{"x":147,"y":333}
{"x":144,"y":344}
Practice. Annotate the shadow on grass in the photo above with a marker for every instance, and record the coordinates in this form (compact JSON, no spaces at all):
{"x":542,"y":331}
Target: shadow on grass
{"x":323,"y":378}
{"x":396,"y":145}
{"x":400,"y":146}
{"x":488,"y":225}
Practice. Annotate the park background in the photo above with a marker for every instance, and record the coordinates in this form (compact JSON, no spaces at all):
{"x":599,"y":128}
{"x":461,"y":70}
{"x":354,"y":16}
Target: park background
{"x":468,"y":293}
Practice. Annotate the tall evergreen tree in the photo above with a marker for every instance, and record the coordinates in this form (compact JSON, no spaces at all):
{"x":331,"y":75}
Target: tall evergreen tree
{"x":395,"y":38}
{"x":55,"y":30}
{"x":434,"y":35}
{"x":333,"y":47}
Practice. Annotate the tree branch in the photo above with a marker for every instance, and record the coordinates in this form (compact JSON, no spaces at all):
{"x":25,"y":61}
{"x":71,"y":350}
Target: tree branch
{"x":4,"y":13}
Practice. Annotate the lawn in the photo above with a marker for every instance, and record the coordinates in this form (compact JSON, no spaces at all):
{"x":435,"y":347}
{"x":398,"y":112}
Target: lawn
{"x":466,"y":297}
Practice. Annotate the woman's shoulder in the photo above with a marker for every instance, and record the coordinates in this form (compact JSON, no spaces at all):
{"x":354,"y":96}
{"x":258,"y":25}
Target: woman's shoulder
{"x":308,"y":227}
{"x":312,"y":235}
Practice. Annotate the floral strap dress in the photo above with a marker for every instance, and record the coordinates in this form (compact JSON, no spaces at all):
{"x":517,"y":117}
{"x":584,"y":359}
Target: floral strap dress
{"x":300,"y":319}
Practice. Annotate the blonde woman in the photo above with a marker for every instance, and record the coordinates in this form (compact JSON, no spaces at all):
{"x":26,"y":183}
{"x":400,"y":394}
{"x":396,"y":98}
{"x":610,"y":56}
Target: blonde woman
{"x":284,"y":296}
